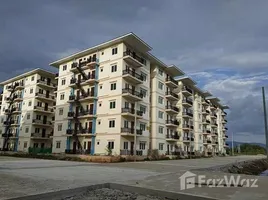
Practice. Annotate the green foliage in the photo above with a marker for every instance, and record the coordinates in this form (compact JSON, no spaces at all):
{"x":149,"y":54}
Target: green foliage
{"x":109,"y":150}
{"x":249,"y":149}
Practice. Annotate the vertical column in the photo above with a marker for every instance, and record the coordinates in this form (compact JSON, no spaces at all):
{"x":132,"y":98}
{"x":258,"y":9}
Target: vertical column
{"x":92,"y":151}
{"x":68,"y":141}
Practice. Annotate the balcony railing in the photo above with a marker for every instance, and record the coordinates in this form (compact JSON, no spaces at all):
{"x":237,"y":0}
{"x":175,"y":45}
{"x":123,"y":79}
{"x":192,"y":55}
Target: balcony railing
{"x":185,"y":88}
{"x":187,"y":126}
{"x":207,"y":121}
{"x":189,"y":101}
{"x":41,"y":122}
{"x":171,"y":80}
{"x":189,"y":113}
{"x":208,"y":131}
{"x":80,"y":97}
{"x":46,"y":83}
{"x":209,"y":141}
{"x":170,"y":121}
{"x":132,"y":92}
{"x":131,"y":130}
{"x":172,"y":108}
{"x":135,"y":56}
{"x":132,"y":111}
{"x":173,"y":136}
{"x":48,"y":96}
{"x":40,"y":135}
{"x":43,"y":108}
{"x":79,"y":131}
{"x":133,"y":74}
{"x":172,"y":94}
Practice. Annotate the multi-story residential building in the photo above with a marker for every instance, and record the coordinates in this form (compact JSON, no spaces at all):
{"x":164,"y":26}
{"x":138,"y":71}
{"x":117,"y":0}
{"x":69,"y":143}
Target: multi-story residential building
{"x":27,"y":111}
{"x":112,"y":93}
{"x":164,"y":110}
{"x":103,"y":99}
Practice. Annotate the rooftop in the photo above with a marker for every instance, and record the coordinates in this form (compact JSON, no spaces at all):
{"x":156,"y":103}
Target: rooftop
{"x":35,"y":71}
{"x":186,"y":80}
{"x":130,"y":39}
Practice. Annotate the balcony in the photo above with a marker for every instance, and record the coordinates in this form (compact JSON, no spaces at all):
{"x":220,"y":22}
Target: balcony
{"x":172,"y":123}
{"x":172,"y":109}
{"x":132,"y":77}
{"x":10,"y":135}
{"x":41,"y":136}
{"x":188,"y":139}
{"x":187,"y":114}
{"x":80,"y":98}
{"x":130,"y":131}
{"x":205,"y":121}
{"x":224,"y":121}
{"x":133,"y":59}
{"x":170,"y":82}
{"x":213,"y":115}
{"x":126,"y":152}
{"x":208,"y":131}
{"x":85,"y":114}
{"x":213,"y":107}
{"x":187,"y":102}
{"x":48,"y":110}
{"x":80,"y":132}
{"x":89,"y":63}
{"x":130,"y":112}
{"x":209,"y":141}
{"x":131,"y":95}
{"x":56,"y":75}
{"x":76,"y":83}
{"x":12,"y":122}
{"x":41,"y":122}
{"x":186,"y":126}
{"x":46,"y":84}
{"x":172,"y":137}
{"x":17,"y":97}
{"x":205,"y":102}
{"x":45,"y":97}
{"x":16,"y":110}
{"x":172,"y":96}
{"x":186,"y":91}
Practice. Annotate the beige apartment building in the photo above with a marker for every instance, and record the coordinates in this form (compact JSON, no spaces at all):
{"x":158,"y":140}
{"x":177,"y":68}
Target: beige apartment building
{"x":116,"y":98}
{"x":27,"y":111}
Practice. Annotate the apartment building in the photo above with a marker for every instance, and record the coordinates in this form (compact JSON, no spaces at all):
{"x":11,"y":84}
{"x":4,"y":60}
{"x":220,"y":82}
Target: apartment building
{"x":27,"y":111}
{"x":103,"y":99}
{"x":117,"y":91}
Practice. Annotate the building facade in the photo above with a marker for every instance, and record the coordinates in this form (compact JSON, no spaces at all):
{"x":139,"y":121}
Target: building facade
{"x":114,"y":98}
{"x":27,"y":111}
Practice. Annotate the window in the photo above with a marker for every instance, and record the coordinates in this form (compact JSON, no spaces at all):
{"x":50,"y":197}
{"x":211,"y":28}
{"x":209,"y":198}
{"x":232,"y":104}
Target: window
{"x":64,"y":67}
{"x":31,"y":90}
{"x":114,"y":68}
{"x":101,"y":69}
{"x":30,"y":103}
{"x":25,"y":144}
{"x":125,"y":145}
{"x":161,"y":146}
{"x":100,"y":104}
{"x":143,"y":109}
{"x":26,"y":129}
{"x":38,"y":117}
{"x":112,"y":104}
{"x":160,"y":129}
{"x":160,"y":72}
{"x":62,"y":96}
{"x":99,"y":122}
{"x":113,"y":86}
{"x":85,"y":145}
{"x":63,"y":81}
{"x":60,"y":111}
{"x":160,"y":114}
{"x":144,"y":76}
{"x":142,"y":145}
{"x":39,"y":104}
{"x":58,"y":144}
{"x":32,"y":78}
{"x":114,"y":51}
{"x":28,"y":116}
{"x":37,"y":130}
{"x":160,"y":99}
{"x":160,"y":85}
{"x":59,"y":127}
{"x":199,"y":116}
{"x":142,"y":127}
{"x":111,"y":145}
{"x":102,"y":53}
{"x":200,"y":126}
{"x":112,"y":123}
{"x":100,"y":86}
{"x":143,"y":92}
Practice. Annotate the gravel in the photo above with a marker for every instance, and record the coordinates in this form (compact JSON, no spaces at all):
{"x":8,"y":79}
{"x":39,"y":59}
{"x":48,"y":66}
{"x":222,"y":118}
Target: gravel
{"x":110,"y":194}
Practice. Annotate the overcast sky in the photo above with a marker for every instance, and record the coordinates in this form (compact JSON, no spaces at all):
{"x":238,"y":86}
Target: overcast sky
{"x":221,"y":44}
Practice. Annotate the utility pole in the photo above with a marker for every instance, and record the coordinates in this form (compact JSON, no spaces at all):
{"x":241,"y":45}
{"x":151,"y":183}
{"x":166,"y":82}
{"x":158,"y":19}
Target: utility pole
{"x":232,"y":143}
{"x":265,"y":120}
{"x":135,"y":132}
